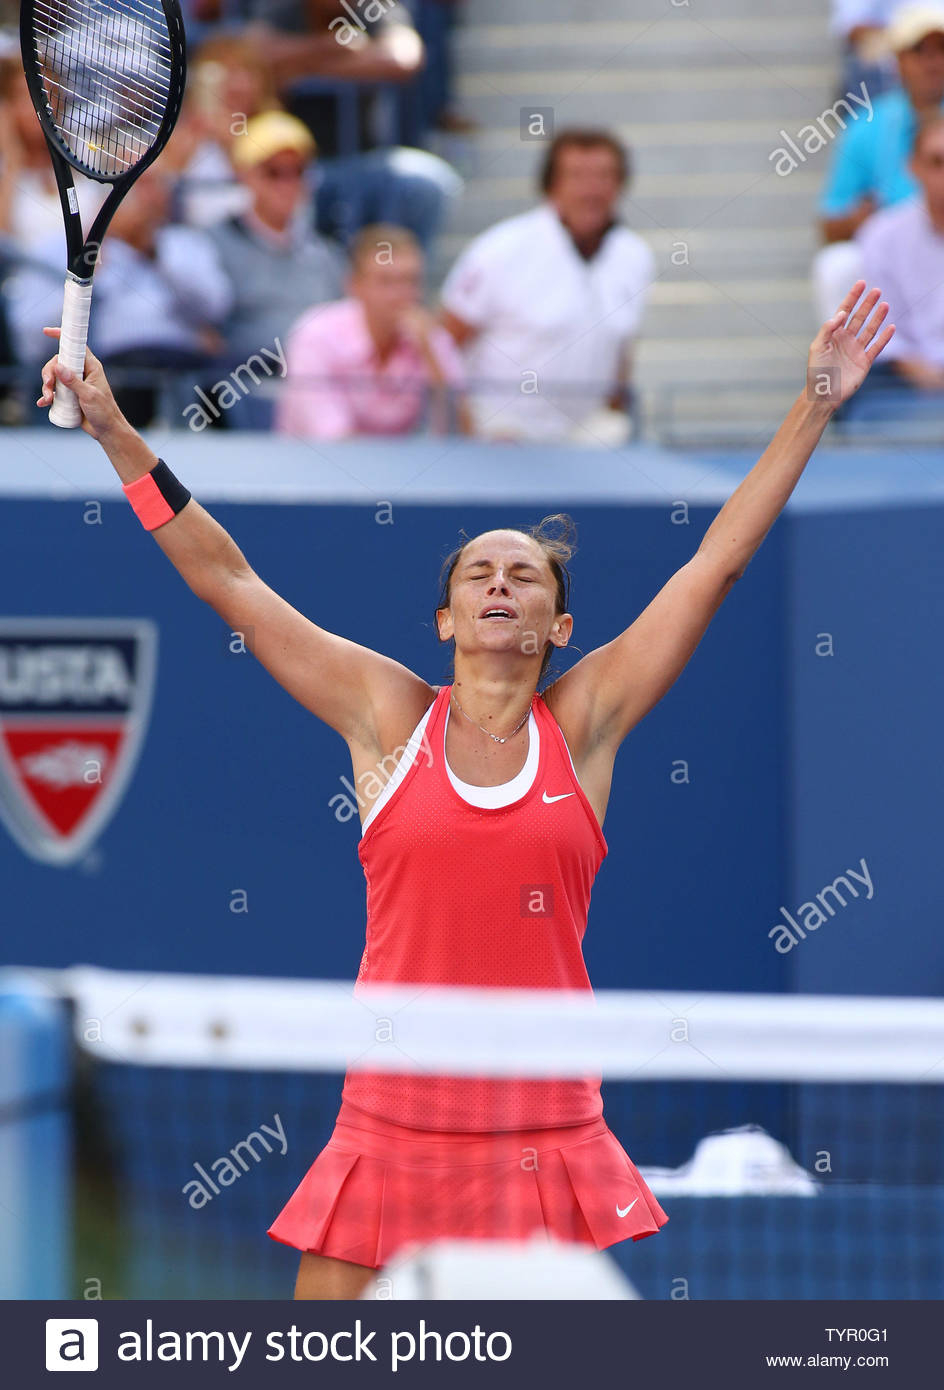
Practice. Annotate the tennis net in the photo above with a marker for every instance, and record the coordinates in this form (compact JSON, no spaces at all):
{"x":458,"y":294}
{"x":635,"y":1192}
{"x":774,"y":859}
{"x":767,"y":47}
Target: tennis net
{"x":796,"y":1142}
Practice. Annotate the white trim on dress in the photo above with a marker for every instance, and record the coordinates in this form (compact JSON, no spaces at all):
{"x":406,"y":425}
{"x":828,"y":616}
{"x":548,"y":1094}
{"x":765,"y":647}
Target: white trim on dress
{"x":490,"y":797}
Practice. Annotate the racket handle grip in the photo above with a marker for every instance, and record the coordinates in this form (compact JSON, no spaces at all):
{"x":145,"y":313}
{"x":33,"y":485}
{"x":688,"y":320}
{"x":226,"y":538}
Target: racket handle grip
{"x":65,"y":410}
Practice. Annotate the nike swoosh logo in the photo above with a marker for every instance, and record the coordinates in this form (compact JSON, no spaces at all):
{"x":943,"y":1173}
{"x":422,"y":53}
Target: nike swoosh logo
{"x":563,"y":796}
{"x":626,"y":1209}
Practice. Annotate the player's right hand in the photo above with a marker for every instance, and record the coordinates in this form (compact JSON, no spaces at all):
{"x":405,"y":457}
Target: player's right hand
{"x":100,"y":413}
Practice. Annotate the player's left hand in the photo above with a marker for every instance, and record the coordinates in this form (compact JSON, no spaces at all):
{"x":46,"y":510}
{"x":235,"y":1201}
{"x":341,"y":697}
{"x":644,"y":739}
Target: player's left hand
{"x":847,"y":345}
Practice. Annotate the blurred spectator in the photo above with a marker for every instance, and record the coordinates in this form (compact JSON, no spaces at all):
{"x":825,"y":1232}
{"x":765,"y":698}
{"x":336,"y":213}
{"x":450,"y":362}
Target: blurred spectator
{"x":228,"y":83}
{"x":860,"y":26}
{"x":546,"y":304}
{"x":903,"y":251}
{"x":371,"y":363}
{"x":201,"y":17}
{"x":10,"y":410}
{"x":160,"y":295}
{"x":435,"y":20}
{"x":32,"y":240}
{"x":276,"y":261}
{"x":870,"y":164}
{"x":320,"y":40}
{"x":29,"y":201}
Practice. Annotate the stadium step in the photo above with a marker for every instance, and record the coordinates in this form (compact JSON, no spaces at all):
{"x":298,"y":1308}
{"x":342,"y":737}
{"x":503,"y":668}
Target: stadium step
{"x":720,"y":42}
{"x":657,"y":92}
{"x":644,"y":11}
{"x":663,"y":147}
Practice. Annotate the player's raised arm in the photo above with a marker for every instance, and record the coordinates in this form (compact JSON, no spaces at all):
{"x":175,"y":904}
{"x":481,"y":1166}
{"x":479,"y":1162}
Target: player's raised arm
{"x":612,"y":688}
{"x":340,"y":681}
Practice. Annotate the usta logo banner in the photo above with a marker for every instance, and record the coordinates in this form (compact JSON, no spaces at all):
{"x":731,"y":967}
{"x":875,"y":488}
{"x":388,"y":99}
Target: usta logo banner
{"x":75,"y":701}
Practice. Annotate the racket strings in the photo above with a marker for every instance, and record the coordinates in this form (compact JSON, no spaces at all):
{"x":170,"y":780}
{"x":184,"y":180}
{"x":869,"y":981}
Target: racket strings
{"x":106,"y":57}
{"x":106,"y":68}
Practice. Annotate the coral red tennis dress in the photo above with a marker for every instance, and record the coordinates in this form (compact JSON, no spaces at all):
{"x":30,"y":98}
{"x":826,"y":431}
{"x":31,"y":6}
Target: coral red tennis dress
{"x":480,"y":886}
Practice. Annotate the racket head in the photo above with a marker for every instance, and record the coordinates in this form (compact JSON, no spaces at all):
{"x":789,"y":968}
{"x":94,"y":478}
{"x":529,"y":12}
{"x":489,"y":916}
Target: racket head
{"x":107,"y":80}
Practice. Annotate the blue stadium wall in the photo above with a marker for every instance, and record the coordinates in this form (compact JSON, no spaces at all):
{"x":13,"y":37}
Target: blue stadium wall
{"x":800,"y":761}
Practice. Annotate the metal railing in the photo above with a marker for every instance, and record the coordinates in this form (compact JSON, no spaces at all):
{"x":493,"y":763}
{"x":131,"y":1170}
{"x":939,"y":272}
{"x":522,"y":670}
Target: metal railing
{"x":680,"y":416}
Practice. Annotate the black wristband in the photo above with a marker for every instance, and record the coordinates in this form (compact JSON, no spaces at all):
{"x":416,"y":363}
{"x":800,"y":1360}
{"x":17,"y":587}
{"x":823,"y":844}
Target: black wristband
{"x":171,"y":489}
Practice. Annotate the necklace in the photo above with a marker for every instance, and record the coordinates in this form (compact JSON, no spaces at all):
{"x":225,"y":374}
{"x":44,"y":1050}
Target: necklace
{"x":485,"y":731}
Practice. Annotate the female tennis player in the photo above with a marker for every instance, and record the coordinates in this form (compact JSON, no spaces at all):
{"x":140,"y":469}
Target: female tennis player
{"x":506,"y":802}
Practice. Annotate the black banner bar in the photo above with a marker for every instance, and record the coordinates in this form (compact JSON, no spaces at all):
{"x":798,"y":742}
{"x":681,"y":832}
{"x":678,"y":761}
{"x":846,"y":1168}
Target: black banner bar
{"x":181,"y":1344}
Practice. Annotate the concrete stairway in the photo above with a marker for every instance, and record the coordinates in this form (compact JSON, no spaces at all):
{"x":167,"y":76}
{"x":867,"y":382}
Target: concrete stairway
{"x":701,"y":92}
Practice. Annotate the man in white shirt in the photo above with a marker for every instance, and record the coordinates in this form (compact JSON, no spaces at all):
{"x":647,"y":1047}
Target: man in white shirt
{"x":546,"y":304}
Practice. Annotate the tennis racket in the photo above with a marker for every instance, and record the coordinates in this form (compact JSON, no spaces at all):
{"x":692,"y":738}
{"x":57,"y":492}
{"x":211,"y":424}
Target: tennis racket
{"x":107,"y":81}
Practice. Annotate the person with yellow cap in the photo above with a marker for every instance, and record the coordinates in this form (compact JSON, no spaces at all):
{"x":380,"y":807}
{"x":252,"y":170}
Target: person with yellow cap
{"x":278,"y":264}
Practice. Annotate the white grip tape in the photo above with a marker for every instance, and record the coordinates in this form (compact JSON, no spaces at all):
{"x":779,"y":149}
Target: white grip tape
{"x":65,"y":410}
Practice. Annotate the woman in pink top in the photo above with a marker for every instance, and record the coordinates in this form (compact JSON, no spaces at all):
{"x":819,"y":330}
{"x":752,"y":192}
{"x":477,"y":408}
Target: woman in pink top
{"x":376,"y":363}
{"x":481,"y":854}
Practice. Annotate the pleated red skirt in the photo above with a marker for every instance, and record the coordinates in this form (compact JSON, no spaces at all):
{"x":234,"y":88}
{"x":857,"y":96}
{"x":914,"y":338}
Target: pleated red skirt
{"x":377,"y":1186}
